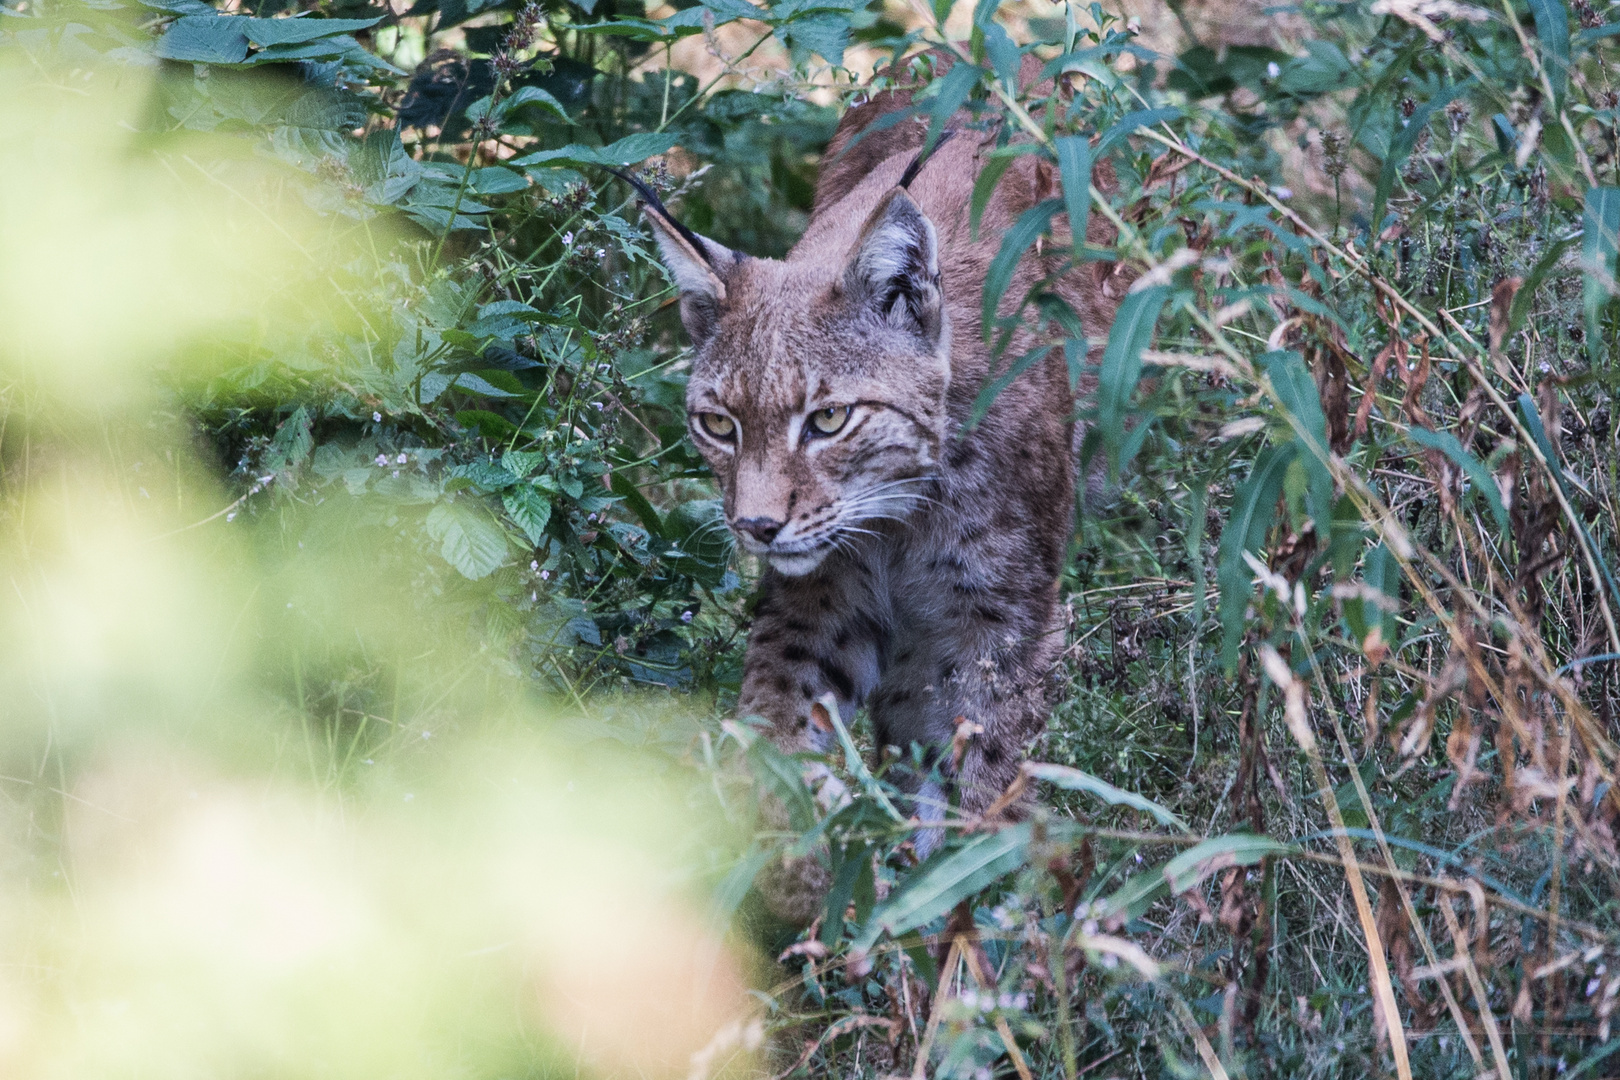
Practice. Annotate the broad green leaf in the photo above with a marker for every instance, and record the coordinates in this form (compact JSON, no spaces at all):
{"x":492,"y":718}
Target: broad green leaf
{"x":1074,"y":166}
{"x":1018,"y":239}
{"x":630,"y":150}
{"x":946,"y":880}
{"x":1483,"y":483}
{"x":1122,"y":364}
{"x":205,"y":39}
{"x":1600,"y":240}
{"x":298,"y":31}
{"x":1552,"y":30}
{"x":520,"y":463}
{"x":824,"y":33}
{"x":1253,"y":508}
{"x":532,"y":97}
{"x":469,"y":539}
{"x":1074,"y":780}
{"x":529,"y":510}
{"x":1400,"y":146}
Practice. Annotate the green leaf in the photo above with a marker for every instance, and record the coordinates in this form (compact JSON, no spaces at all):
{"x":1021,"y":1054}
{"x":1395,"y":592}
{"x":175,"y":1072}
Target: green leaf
{"x":946,"y":880}
{"x":783,"y":777}
{"x":1296,"y":389}
{"x":1532,"y":420}
{"x":1483,"y":483}
{"x":996,"y":164}
{"x":1074,"y":166}
{"x":1185,"y":871}
{"x":298,"y":31}
{"x":1400,"y":146}
{"x":1122,"y":364}
{"x":532,"y":97}
{"x":953,"y":91}
{"x":1600,"y":240}
{"x":1127,"y":125}
{"x":1074,"y":780}
{"x":529,"y":510}
{"x":1253,"y":507}
{"x":1527,"y":292}
{"x":823,"y":33}
{"x":637,"y":502}
{"x":469,"y":539}
{"x":205,"y":39}
{"x":630,"y":150}
{"x":1018,"y":239}
{"x":1552,"y":29}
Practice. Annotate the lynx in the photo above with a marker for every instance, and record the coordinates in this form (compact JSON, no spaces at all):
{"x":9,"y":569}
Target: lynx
{"x":912,"y":558}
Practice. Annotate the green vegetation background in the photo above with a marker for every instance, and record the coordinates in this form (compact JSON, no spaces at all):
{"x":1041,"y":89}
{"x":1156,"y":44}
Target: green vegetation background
{"x":372,"y":632}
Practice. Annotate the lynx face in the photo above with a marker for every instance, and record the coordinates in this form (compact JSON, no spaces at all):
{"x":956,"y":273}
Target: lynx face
{"x":818,"y":385}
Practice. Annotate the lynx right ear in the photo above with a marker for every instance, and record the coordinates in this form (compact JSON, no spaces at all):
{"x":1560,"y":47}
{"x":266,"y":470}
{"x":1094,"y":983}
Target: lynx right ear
{"x":699,"y":266}
{"x":894,"y":269}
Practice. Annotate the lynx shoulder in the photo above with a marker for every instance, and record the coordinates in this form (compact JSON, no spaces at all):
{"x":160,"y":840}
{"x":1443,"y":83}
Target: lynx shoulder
{"x":913,"y":558}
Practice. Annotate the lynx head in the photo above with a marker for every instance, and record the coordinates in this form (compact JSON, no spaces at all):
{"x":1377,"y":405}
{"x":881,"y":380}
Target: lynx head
{"x":817,"y":391}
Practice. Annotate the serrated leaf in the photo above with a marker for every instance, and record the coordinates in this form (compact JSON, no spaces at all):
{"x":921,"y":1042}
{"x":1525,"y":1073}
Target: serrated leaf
{"x":1252,"y":510}
{"x":297,"y":31}
{"x":469,"y":539}
{"x":630,"y":150}
{"x":529,"y":510}
{"x":1074,"y":780}
{"x":946,"y":880}
{"x":205,"y":39}
{"x":520,"y":463}
{"x":532,"y":97}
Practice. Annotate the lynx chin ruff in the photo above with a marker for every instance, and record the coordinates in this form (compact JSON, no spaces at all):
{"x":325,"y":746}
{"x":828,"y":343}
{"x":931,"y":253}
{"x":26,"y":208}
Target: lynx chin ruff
{"x":912,"y":560}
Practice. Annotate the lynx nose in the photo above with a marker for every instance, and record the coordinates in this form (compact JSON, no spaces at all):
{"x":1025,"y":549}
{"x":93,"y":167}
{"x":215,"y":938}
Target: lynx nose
{"x":763,"y":529}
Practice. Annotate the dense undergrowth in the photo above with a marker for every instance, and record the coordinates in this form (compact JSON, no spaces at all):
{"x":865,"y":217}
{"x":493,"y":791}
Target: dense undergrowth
{"x":342,"y":423}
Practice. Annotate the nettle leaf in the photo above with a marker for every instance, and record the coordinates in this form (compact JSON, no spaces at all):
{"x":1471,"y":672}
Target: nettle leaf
{"x":1253,"y":508}
{"x":297,"y":31}
{"x":469,"y":539}
{"x":206,"y":39}
{"x":946,"y":880}
{"x":630,"y":150}
{"x":529,"y":510}
{"x":825,"y":34}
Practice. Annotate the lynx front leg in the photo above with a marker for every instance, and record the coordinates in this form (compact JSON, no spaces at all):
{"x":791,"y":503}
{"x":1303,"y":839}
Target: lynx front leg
{"x":812,"y":636}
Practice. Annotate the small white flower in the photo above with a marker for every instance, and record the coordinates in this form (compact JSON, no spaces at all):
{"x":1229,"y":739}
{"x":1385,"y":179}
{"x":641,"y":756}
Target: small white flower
{"x":376,"y":418}
{"x":1284,"y":193}
{"x":402,"y":459}
{"x":394,"y":474}
{"x":534,"y":564}
{"x":568,"y":239}
{"x":545,"y":575}
{"x":590,"y":518}
{"x":686,"y":616}
{"x":1272,"y":70}
{"x":382,"y":459}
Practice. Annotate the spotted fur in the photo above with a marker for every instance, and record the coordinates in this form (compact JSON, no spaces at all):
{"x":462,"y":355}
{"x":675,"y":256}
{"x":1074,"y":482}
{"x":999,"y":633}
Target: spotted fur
{"x":912,"y":559}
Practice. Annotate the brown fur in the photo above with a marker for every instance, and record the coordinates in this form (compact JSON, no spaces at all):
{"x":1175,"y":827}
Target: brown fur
{"x":915,"y":563}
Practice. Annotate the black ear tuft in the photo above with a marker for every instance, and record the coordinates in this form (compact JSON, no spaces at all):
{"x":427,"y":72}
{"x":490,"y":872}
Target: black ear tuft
{"x":699,"y":265}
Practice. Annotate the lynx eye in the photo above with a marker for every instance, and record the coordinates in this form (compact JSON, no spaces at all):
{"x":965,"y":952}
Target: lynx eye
{"x":720,"y":427}
{"x":830,"y":421}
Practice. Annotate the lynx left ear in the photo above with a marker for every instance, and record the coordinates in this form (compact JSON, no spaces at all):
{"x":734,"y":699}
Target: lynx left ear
{"x":894,"y":269}
{"x":699,"y":266}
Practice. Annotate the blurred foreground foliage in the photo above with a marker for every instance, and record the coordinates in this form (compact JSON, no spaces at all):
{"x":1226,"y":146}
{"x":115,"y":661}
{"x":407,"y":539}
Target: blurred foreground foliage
{"x":372,"y":625}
